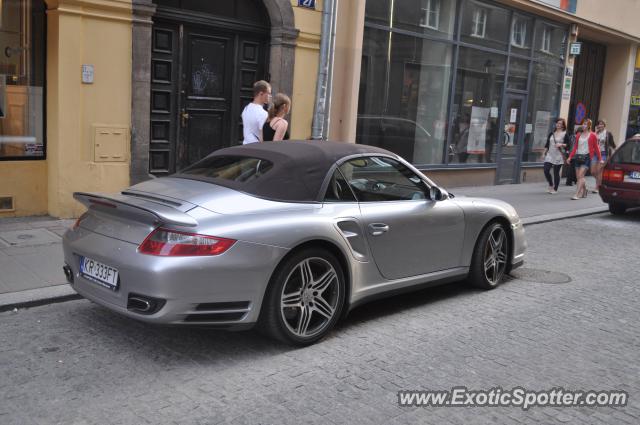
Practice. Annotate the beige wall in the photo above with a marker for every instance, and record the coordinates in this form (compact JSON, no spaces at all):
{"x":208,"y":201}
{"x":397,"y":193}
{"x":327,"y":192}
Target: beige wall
{"x":305,"y":72}
{"x":346,"y":70}
{"x":616,"y":88}
{"x":92,"y":32}
{"x":26,"y":182}
{"x":619,"y":15}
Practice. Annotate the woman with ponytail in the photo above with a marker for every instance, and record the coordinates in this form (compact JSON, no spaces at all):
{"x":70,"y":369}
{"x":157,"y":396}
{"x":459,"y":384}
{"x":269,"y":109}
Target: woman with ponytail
{"x":276,"y":127}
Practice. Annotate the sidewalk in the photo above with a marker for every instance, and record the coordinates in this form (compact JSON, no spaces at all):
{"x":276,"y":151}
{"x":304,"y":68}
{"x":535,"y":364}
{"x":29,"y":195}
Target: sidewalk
{"x":31,"y":249}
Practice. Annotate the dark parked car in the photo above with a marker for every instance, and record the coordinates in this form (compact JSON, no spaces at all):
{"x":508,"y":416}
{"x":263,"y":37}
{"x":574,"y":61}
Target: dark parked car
{"x":620,"y":186}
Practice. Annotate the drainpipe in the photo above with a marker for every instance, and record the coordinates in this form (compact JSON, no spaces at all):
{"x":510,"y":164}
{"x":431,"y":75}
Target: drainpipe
{"x":320,"y":126}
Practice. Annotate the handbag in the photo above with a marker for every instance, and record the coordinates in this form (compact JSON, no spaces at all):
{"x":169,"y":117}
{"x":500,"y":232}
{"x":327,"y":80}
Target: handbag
{"x":581,"y":158}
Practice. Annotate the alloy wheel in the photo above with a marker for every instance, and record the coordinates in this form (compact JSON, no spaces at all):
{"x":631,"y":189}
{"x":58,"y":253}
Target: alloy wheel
{"x":309,"y":298}
{"x":495,"y":258}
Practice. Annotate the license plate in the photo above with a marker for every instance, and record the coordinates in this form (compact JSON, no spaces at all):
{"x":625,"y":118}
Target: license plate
{"x":632,"y":177}
{"x":99,"y":273}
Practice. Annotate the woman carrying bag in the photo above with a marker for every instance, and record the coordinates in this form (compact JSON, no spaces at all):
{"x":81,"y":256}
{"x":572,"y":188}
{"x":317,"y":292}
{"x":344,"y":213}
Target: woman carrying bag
{"x":585,"y":148}
{"x":606,"y":145}
{"x":554,"y":157}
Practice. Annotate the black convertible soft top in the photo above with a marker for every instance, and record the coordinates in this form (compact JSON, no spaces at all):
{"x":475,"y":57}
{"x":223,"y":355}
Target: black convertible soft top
{"x":298,"y":171}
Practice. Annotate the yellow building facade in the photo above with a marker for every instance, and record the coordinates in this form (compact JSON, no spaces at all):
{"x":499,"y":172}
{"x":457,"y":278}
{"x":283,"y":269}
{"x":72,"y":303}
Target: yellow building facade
{"x":98,"y":94}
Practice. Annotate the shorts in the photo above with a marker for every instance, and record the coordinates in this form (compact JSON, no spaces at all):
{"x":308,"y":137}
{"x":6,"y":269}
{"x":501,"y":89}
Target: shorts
{"x":582,"y":161}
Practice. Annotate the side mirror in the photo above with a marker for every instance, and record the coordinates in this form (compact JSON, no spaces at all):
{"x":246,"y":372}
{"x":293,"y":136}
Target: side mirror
{"x":435,"y":194}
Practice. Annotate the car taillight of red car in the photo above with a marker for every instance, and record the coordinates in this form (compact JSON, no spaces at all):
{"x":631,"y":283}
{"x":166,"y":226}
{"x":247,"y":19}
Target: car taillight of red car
{"x":613,"y":176}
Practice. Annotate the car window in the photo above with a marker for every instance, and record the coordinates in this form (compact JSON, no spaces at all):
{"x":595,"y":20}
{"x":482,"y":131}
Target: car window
{"x":375,"y":179}
{"x":338,"y":189}
{"x":232,"y":168}
{"x":628,"y":153}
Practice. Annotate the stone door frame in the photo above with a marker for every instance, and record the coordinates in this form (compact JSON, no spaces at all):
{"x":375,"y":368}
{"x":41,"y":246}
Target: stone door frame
{"x":281,"y":61}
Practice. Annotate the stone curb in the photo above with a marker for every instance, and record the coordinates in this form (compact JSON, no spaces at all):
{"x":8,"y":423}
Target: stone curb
{"x":545,"y":218}
{"x":37,"y":297}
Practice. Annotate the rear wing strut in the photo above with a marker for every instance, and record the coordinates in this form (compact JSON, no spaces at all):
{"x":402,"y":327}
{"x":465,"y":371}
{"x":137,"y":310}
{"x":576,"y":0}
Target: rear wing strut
{"x":143,"y":210}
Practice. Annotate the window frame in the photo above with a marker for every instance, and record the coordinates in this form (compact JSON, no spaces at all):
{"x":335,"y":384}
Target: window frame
{"x":517,"y":21}
{"x":546,"y":39}
{"x":479,"y":17}
{"x":422,"y":181}
{"x":428,"y":11}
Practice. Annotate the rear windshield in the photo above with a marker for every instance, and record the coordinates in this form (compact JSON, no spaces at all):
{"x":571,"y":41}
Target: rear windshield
{"x":230,"y":168}
{"x":628,"y":153}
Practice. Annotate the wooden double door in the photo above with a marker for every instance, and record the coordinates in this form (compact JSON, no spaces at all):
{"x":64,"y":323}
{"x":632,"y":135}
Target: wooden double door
{"x":201,"y":78}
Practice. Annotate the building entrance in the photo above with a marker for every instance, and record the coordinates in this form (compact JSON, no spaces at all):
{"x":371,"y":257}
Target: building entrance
{"x":203,"y":66}
{"x":587,"y":83}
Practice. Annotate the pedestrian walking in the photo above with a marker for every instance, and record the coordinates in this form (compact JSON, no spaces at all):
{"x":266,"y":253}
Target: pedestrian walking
{"x":585,"y":148}
{"x":571,"y":168}
{"x":276,"y":126}
{"x":554,"y":155}
{"x":254,"y":115}
{"x":607,"y":145}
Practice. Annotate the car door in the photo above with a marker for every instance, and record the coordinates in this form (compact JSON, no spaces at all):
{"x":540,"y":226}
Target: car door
{"x":408,"y":233}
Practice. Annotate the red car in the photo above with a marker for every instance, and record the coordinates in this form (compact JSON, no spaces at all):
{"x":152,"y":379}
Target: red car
{"x":620,"y":186}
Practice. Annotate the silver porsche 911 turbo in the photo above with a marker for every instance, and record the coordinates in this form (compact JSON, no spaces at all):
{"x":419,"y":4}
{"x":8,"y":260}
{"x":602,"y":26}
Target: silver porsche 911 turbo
{"x":286,"y":235}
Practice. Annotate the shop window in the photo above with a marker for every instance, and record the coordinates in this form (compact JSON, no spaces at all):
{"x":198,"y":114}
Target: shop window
{"x":551,"y":42}
{"x":22,"y":68}
{"x":545,"y":44}
{"x":543,"y":109}
{"x":435,"y":18}
{"x":519,"y":33}
{"x":430,"y":14}
{"x":479,"y":22}
{"x":404,"y":97}
{"x":485,"y":25}
{"x":477,"y":102}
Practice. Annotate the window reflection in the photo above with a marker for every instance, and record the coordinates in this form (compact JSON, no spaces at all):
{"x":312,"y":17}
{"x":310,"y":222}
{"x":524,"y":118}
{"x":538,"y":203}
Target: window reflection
{"x":477,"y":102}
{"x":21,"y":78}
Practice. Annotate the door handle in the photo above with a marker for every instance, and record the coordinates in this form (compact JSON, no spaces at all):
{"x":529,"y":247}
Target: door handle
{"x":184,"y":116}
{"x":376,"y":229}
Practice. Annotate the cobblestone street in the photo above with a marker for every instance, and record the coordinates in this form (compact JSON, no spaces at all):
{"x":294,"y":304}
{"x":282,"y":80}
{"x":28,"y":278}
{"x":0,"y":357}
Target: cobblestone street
{"x":569,"y":319}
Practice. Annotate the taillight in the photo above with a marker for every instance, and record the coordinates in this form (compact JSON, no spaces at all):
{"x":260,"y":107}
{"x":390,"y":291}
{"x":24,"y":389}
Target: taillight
{"x":613,"y":176}
{"x":77,"y":223}
{"x":169,"y":243}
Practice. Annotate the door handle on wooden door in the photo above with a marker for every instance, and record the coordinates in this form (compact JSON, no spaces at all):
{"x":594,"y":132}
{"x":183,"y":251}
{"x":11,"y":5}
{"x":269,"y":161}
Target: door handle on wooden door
{"x":184,"y":116}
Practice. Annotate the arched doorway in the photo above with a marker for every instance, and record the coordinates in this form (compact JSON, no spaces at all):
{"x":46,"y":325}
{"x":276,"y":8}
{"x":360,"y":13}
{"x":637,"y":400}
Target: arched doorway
{"x":203,"y":57}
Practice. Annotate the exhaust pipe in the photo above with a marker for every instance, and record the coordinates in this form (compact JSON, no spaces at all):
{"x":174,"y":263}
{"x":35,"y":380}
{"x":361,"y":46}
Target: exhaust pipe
{"x":144,"y":304}
{"x":68,"y":273}
{"x":138,"y":304}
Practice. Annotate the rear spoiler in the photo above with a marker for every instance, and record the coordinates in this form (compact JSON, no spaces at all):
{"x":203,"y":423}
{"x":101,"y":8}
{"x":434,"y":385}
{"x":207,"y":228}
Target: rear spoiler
{"x":132,"y":206}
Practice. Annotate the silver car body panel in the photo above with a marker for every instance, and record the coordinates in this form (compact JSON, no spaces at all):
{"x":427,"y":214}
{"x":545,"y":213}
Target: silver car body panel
{"x":441,"y":237}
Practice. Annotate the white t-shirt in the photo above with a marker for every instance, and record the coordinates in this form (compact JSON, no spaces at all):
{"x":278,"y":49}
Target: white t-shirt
{"x":253,"y":118}
{"x":554,"y":155}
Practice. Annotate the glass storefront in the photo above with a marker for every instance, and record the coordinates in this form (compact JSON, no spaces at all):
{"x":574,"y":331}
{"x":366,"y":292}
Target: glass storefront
{"x":436,"y":75}
{"x":633,"y":124}
{"x":22,"y":71}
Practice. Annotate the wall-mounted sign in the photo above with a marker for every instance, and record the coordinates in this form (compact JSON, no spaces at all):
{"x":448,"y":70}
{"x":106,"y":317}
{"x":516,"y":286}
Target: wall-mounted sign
{"x":566,"y":88}
{"x":581,"y":113}
{"x":566,"y":5}
{"x":568,"y":71}
{"x":514,"y":115}
{"x":87,"y":74}
{"x":309,"y":4}
{"x":635,"y":100}
{"x":575,"y":49}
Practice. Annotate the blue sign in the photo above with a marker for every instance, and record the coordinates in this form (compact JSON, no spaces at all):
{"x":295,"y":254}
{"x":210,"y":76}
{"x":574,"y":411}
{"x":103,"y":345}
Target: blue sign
{"x":581,"y":112}
{"x":309,"y":4}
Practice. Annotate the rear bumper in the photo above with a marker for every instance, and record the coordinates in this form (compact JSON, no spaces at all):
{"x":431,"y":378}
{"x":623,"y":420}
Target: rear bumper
{"x":626,"y":196}
{"x":224,"y":291}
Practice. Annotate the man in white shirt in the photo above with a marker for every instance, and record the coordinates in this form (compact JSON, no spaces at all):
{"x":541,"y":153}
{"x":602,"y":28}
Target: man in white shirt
{"x":254,"y":115}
